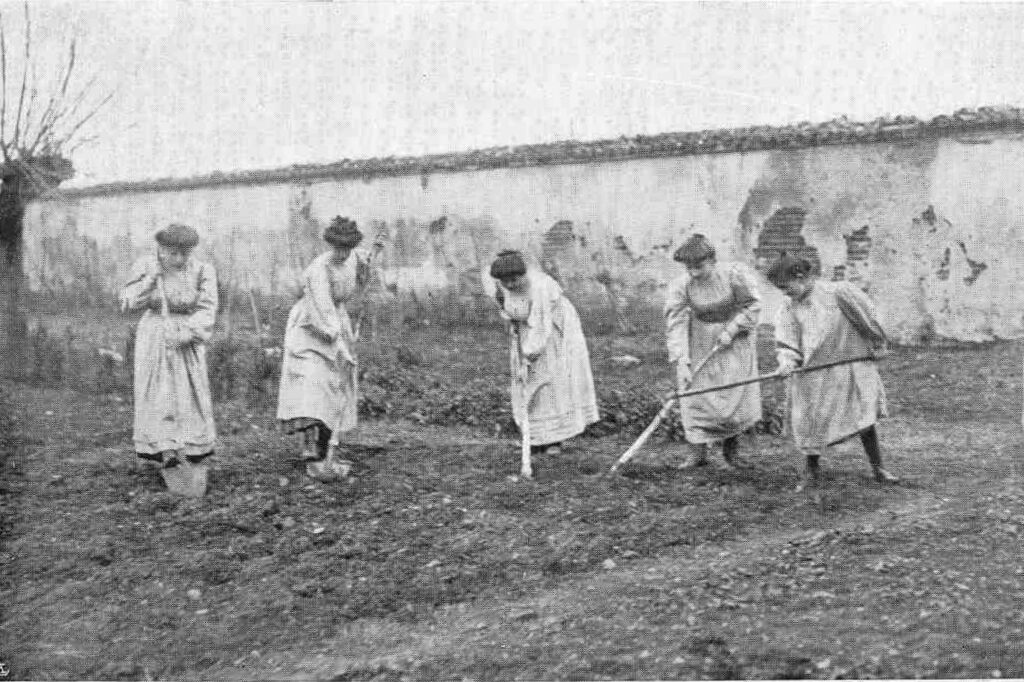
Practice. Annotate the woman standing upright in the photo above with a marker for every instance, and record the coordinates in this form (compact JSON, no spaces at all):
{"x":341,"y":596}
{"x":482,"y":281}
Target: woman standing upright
{"x":714,"y":307}
{"x":173,"y":409}
{"x":318,"y":391}
{"x":548,"y":339}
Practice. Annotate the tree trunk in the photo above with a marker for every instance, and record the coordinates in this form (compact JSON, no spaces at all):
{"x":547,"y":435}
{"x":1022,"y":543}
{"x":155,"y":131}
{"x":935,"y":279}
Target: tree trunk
{"x":13,"y":324}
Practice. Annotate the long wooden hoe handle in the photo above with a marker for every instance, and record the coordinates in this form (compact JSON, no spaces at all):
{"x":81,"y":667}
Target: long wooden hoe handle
{"x":662,"y":414}
{"x":525,"y":466}
{"x":628,"y":454}
{"x":378,"y":247}
{"x":773,"y":375}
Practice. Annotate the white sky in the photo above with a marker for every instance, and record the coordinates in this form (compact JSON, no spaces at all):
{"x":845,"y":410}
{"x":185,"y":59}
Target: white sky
{"x":225,"y":86}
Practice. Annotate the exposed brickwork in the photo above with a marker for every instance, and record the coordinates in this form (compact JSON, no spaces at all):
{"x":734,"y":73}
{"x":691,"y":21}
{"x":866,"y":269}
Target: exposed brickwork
{"x":858,"y":253}
{"x":781,"y":232}
{"x":858,"y":245}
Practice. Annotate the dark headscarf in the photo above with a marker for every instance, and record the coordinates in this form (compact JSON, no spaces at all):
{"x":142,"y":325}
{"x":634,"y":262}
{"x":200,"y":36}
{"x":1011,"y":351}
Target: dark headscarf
{"x":509,"y":263}
{"x":177,"y":236}
{"x":343,"y":232}
{"x":695,"y":250}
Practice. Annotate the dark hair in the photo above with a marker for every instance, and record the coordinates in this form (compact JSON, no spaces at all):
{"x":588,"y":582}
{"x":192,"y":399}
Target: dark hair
{"x":343,"y":232}
{"x":788,"y":268}
{"x":695,"y":250}
{"x":177,"y":236}
{"x":509,"y":263}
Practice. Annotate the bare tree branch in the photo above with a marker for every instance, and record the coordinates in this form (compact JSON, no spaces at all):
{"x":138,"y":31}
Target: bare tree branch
{"x":81,"y":143}
{"x":3,"y":95}
{"x":24,"y":79}
{"x":33,"y":94}
{"x":48,"y":119}
{"x":69,"y":111}
{"x":49,"y":122}
{"x":85,"y":119}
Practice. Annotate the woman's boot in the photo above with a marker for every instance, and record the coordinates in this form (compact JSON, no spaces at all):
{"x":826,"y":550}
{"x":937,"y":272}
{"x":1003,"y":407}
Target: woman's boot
{"x":869,"y":439}
{"x":330,"y":466}
{"x":730,"y":453}
{"x":811,"y":477}
{"x":339,"y":467}
{"x":184,"y":477}
{"x":315,"y":454}
{"x":310,"y":451}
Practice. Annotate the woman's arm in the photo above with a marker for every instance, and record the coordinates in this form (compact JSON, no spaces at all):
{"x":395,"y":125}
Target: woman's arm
{"x":677,"y":322}
{"x":200,"y":322}
{"x":324,"y":319}
{"x":788,"y":345}
{"x":860,"y":311}
{"x":138,"y":292}
{"x":539,"y":325}
{"x":745,"y":291}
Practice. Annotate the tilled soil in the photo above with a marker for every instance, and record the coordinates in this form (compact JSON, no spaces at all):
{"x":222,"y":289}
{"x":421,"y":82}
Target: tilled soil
{"x":435,"y":561}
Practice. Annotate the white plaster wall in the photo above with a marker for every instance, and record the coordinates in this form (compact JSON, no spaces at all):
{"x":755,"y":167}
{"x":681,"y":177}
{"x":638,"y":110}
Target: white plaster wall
{"x":973,"y":189}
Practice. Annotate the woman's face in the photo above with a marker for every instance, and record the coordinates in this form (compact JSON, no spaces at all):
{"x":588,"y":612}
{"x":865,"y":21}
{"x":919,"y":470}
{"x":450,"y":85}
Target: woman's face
{"x":171,"y":257}
{"x":701,"y":270}
{"x":514,"y":282}
{"x":341,"y":253}
{"x":797,"y":287}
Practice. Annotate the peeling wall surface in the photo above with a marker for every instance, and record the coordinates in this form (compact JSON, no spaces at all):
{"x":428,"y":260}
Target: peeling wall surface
{"x":933,"y":229}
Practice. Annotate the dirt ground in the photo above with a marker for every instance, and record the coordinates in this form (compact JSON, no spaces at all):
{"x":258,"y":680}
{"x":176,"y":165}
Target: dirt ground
{"x":436,"y":562}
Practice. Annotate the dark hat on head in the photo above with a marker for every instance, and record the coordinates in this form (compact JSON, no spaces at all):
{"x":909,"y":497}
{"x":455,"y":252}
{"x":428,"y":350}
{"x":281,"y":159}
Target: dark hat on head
{"x":177,"y":236}
{"x":695,"y":250}
{"x":509,"y":263}
{"x":342,"y":232}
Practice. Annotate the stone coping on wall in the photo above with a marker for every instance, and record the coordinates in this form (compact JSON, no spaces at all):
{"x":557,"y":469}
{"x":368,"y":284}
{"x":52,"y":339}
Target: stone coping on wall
{"x":802,"y":135}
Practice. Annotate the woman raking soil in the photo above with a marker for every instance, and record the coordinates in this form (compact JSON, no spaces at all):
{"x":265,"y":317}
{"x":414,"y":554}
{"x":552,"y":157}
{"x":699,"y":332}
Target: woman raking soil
{"x":822,"y":322}
{"x":547,"y":348}
{"x":711,"y":316}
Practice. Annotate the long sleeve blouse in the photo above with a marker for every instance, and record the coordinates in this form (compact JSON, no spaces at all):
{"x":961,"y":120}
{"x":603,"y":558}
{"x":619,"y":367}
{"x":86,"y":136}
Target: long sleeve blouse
{"x":738,"y":306}
{"x":191,"y":293}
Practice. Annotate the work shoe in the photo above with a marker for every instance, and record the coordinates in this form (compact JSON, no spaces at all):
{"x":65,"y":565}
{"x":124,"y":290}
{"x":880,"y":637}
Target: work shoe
{"x":185,"y":478}
{"x":808,"y":480}
{"x":883,"y":476}
{"x":321,"y":470}
{"x":330,"y":468}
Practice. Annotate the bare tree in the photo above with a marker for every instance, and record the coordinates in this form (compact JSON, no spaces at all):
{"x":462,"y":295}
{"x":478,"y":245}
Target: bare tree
{"x":40,"y":127}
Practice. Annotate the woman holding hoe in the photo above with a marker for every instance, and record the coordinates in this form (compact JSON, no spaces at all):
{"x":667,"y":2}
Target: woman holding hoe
{"x":318,"y":392}
{"x":173,"y":409}
{"x":549,"y":350}
{"x":824,"y":322}
{"x":711,"y":315}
